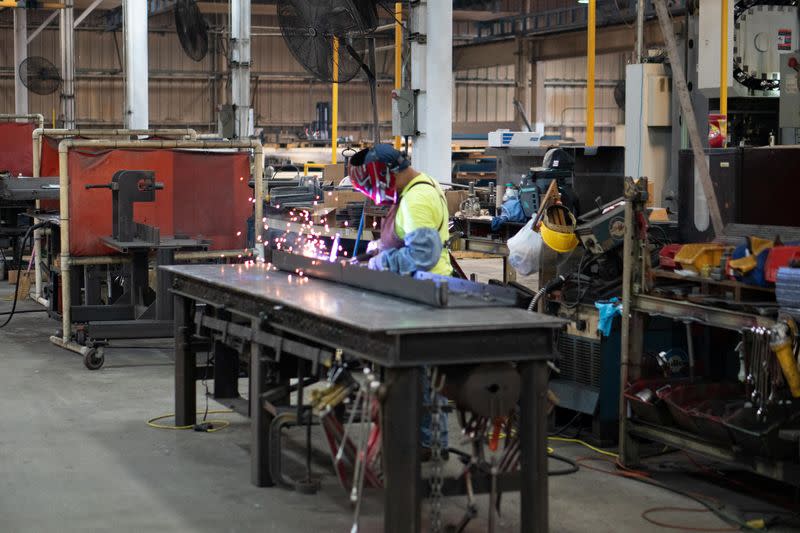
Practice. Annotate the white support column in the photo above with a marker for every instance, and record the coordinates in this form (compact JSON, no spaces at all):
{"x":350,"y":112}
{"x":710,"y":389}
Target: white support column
{"x":20,"y":54}
{"x":66,"y":32}
{"x":432,"y":75}
{"x":240,"y":67}
{"x":134,"y":19}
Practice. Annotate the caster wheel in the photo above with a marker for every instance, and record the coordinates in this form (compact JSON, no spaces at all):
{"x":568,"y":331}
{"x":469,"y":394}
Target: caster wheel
{"x":94,"y":359}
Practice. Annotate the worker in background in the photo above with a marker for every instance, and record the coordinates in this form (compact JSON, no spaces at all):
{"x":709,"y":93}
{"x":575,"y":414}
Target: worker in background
{"x":413,"y":235}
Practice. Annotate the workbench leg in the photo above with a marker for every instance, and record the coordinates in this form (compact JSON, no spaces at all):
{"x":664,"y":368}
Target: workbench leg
{"x":533,"y":442}
{"x":226,"y":371}
{"x":185,"y":364}
{"x":260,"y":419}
{"x":164,"y":310}
{"x":400,"y":439}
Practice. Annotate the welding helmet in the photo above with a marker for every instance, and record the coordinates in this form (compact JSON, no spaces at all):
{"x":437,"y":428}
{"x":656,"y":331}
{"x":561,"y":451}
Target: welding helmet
{"x":372,"y":172}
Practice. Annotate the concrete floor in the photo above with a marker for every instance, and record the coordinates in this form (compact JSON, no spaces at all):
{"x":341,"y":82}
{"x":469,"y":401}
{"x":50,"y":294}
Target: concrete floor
{"x":76,"y":455}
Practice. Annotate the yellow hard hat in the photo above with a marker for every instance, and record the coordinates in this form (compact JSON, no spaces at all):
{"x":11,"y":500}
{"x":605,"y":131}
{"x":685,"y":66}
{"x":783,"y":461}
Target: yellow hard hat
{"x":558,"y":229}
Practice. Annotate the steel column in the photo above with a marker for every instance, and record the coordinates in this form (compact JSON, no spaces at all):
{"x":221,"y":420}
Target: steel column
{"x":639,"y":30}
{"x":400,"y":440}
{"x":259,"y":418}
{"x":134,"y":17}
{"x":66,"y":30}
{"x":20,"y":54}
{"x":240,"y":67}
{"x":533,"y":446}
{"x":185,"y":386}
{"x":432,"y":75}
{"x":164,"y":307}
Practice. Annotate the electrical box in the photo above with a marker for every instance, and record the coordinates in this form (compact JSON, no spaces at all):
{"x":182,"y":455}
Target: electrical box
{"x":659,"y":100}
{"x":648,"y":117}
{"x":790,"y":94}
{"x":404,"y":112}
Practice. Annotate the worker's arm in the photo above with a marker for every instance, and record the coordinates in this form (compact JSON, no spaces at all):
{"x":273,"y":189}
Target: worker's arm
{"x":421,"y":215}
{"x":422,"y":250}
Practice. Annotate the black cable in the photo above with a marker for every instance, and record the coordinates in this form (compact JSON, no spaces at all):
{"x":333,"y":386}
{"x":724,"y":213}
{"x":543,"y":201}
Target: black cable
{"x":28,"y":233}
{"x":22,"y":312}
{"x":573,"y":466}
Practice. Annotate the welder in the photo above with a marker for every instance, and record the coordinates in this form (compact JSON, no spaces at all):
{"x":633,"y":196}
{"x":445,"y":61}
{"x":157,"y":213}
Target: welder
{"x":413,"y":234}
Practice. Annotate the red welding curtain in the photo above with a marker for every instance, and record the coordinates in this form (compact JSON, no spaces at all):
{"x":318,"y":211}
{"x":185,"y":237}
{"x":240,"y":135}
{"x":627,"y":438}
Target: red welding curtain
{"x":205,"y":195}
{"x":16,"y":152}
{"x":49,"y":162}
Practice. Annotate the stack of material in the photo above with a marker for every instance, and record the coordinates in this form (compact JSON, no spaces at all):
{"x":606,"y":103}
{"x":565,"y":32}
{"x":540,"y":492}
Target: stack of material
{"x":787,"y":290}
{"x":351,"y":213}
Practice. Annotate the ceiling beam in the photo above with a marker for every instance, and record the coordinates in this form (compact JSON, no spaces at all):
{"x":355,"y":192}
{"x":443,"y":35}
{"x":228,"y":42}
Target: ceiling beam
{"x":556,"y":46}
{"x":476,"y":16}
{"x":256,"y":9}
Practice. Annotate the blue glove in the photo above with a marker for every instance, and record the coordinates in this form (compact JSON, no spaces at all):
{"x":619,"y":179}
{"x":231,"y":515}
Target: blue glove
{"x":608,"y":309}
{"x":497,"y":222}
{"x":512,"y":209}
{"x":422,"y":250}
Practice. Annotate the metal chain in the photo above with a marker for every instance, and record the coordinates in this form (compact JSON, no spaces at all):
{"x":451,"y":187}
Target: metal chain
{"x":436,"y":454}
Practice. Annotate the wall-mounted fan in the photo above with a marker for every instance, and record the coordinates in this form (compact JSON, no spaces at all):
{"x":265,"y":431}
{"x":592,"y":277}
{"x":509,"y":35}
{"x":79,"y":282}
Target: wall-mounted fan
{"x":192,"y":29}
{"x":39,"y":75}
{"x":311,"y":28}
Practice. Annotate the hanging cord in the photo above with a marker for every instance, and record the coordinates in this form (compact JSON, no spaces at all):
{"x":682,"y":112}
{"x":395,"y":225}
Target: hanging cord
{"x":18,"y":259}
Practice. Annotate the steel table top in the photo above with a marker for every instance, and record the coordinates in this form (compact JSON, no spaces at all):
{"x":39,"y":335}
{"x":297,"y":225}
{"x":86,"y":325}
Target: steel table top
{"x":388,"y":330}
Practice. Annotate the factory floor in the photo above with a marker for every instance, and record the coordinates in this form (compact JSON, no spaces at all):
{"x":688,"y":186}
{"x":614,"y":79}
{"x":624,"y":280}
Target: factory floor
{"x":76,"y":455}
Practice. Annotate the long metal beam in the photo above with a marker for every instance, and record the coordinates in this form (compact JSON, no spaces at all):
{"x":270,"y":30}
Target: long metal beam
{"x":42,"y":26}
{"x":570,"y":44}
{"x":86,"y":12}
{"x":688,"y":115}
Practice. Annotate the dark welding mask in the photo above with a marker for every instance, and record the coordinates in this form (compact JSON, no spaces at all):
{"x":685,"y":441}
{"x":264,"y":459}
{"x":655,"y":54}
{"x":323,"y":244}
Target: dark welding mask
{"x":372,"y":173}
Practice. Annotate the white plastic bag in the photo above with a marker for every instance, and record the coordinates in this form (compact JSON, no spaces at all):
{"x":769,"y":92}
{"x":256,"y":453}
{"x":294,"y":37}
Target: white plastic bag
{"x":524,"y":250}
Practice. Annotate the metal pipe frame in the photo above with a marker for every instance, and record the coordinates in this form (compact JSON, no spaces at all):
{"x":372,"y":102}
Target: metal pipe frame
{"x":37,"y":165}
{"x":65,"y":341}
{"x":25,"y":117}
{"x":98,"y":132}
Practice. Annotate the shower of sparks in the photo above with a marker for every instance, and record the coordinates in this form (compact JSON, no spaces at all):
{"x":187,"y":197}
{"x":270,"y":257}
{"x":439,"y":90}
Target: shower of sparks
{"x":334,"y":248}
{"x":310,"y":240}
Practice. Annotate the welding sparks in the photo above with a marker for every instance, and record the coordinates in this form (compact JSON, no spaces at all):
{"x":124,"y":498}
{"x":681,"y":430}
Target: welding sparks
{"x":335,"y":248}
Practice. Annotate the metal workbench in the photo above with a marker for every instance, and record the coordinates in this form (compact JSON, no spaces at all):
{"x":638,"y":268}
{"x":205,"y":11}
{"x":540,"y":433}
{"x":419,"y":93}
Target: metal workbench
{"x":279,"y":315}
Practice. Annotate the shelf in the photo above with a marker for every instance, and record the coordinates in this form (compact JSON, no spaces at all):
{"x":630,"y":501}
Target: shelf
{"x":702,"y":314}
{"x":786,"y":472}
{"x":735,"y":285}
